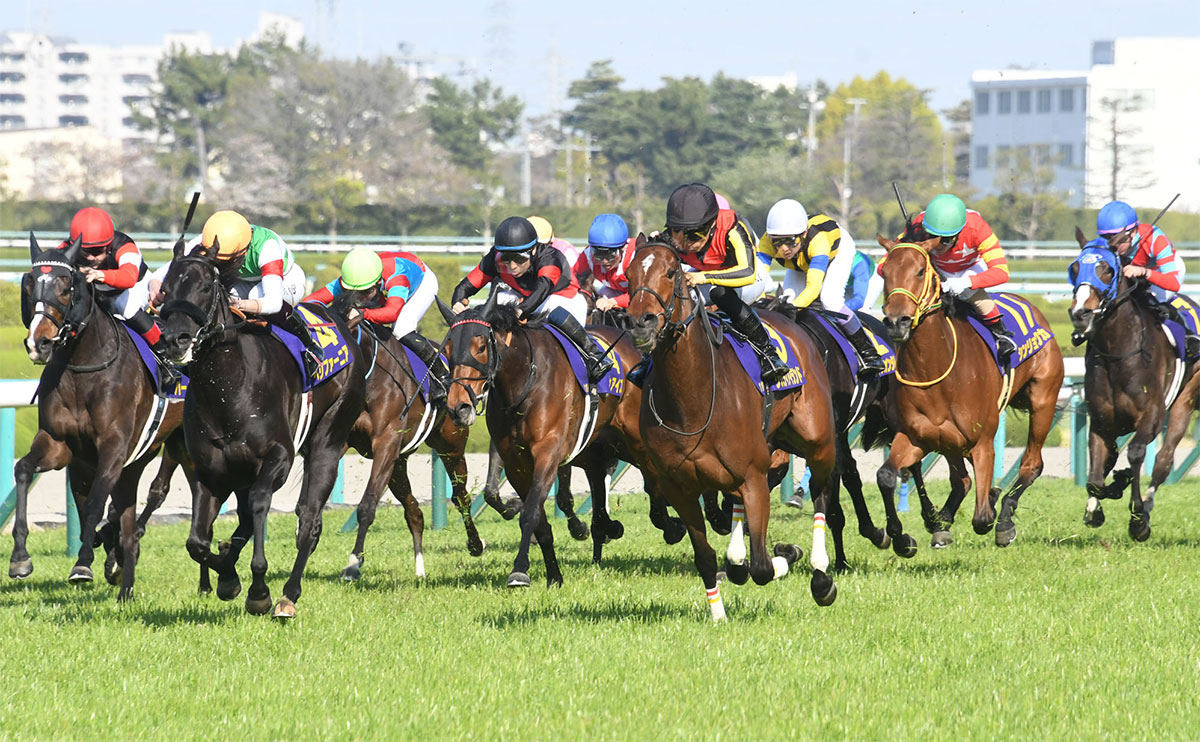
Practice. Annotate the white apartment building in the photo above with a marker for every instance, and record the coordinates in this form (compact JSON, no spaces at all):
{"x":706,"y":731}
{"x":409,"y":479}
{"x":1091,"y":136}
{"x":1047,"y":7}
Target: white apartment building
{"x":1060,"y":118}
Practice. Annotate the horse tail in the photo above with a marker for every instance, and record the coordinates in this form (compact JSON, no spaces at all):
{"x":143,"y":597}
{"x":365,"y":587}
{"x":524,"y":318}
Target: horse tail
{"x":876,"y":430}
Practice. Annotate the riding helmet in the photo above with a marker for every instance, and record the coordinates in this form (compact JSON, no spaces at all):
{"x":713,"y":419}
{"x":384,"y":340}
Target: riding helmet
{"x":608,"y":232}
{"x":691,"y":206}
{"x":361,"y":269}
{"x":93,"y":227}
{"x":515,"y":234}
{"x":545,"y":232}
{"x":229,"y":230}
{"x":1114,"y":217}
{"x":787,"y":217}
{"x":945,"y":215}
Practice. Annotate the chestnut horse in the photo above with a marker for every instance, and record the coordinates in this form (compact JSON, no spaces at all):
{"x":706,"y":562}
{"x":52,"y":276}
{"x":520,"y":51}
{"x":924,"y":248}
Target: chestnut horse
{"x":395,"y":421}
{"x":95,"y":400}
{"x":706,"y":426}
{"x":940,"y":357}
{"x":244,"y":422}
{"x":1133,"y":382}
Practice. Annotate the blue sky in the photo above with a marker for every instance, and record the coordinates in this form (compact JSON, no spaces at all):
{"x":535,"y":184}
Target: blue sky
{"x":935,"y":44}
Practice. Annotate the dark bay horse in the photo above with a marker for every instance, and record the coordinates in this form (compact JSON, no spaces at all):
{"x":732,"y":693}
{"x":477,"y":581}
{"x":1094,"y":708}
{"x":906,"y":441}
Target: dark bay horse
{"x":705,"y":425}
{"x":395,"y":421}
{"x":537,"y":416}
{"x":96,"y":405}
{"x":245,"y":418}
{"x":940,"y":358}
{"x":1133,"y":382}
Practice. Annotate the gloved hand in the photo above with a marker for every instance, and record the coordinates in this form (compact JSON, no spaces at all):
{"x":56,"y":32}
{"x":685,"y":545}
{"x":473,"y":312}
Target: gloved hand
{"x":957,"y":285}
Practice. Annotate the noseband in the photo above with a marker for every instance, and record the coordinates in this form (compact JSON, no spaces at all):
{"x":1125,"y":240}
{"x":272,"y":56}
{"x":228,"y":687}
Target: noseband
{"x":671,"y":327}
{"x":209,"y":327}
{"x":478,"y":403}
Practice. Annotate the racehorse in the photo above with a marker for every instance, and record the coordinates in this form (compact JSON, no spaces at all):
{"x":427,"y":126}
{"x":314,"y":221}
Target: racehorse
{"x":939,"y":357}
{"x":96,"y":405}
{"x":681,"y":398}
{"x":1133,"y":382}
{"x":246,"y":415}
{"x":395,"y":421}
{"x":537,"y":415}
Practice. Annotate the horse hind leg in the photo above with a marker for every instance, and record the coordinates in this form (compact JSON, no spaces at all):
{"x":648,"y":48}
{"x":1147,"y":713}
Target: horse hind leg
{"x":383,"y":466}
{"x":717,"y":518}
{"x":401,"y":488}
{"x":508,"y":509}
{"x":1102,"y":457}
{"x":672,"y":528}
{"x":566,"y":503}
{"x":1041,"y":419}
{"x":852,"y":480}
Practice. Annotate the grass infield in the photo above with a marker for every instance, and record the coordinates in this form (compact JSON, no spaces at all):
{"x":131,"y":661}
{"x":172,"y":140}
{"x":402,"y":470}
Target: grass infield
{"x":1069,"y":633}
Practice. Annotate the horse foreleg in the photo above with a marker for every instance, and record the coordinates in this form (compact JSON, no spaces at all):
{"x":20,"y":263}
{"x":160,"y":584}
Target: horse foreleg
{"x":904,"y":454}
{"x":1102,"y":457}
{"x":604,"y":528}
{"x":104,"y":481}
{"x":672,"y":528}
{"x":125,"y":502}
{"x":717,"y":518}
{"x":1041,"y":419}
{"x":45,"y":454}
{"x":533,"y":518}
{"x":1139,"y":514}
{"x":383,"y":465}
{"x":704,"y":557}
{"x":272,"y":473}
{"x":939,"y":522}
{"x":983,"y":459}
{"x":320,"y":473}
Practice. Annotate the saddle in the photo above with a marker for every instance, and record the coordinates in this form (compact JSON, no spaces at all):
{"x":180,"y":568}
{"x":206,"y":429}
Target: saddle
{"x":613,"y":382}
{"x":1018,"y":318}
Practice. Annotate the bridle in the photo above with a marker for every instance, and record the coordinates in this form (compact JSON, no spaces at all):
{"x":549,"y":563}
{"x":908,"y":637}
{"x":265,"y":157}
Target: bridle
{"x":463,"y":357}
{"x":928,"y":301}
{"x":67,"y":327}
{"x":1110,"y":292}
{"x":207,"y":320}
{"x":671,"y":328}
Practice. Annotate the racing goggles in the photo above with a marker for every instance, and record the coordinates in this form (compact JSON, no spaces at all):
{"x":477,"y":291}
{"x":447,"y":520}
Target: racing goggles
{"x":519,"y":257}
{"x":693,"y":235}
{"x":1119,"y":238}
{"x":606,"y":254}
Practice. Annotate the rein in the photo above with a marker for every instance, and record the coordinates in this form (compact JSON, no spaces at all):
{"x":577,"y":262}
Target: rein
{"x":209,"y":326}
{"x":928,"y":302}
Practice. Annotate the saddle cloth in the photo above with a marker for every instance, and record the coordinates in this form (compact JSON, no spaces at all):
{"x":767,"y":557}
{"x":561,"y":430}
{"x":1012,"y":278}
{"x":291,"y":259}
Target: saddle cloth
{"x":151,"y":363}
{"x":749,"y":359}
{"x":884,"y":350}
{"x":1189,"y":310}
{"x":1018,"y":318}
{"x":613,"y":382}
{"x":326,"y":334}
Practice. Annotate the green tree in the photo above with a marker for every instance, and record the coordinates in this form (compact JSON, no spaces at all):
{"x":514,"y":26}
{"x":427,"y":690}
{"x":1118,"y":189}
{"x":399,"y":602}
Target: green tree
{"x":468,"y":122}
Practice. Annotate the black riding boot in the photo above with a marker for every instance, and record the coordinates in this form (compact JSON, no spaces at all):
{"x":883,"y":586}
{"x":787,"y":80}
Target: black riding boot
{"x":872,"y":364}
{"x":597,"y":361}
{"x":637,"y":374}
{"x":1005,"y":344}
{"x":749,"y":325}
{"x":313,"y":352}
{"x":141,"y":322}
{"x":425,"y":348}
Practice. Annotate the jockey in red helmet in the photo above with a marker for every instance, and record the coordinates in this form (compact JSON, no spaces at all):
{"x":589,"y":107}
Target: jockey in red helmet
{"x":112,"y":261}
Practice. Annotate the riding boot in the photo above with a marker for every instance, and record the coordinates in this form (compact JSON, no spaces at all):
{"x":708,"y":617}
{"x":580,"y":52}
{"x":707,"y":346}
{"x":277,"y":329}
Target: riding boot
{"x":428,"y":352}
{"x":872,"y":364}
{"x":143,"y":324}
{"x":750,"y":326}
{"x":313,"y":352}
{"x":637,"y":374}
{"x":597,"y":361}
{"x":1005,"y":344}
{"x":1168,"y":310}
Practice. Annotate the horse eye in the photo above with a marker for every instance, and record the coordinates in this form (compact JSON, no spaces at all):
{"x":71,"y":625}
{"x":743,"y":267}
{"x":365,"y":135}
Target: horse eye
{"x":921,"y":273}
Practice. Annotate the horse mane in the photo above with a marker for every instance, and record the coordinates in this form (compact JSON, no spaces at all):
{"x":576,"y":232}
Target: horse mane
{"x":915,"y":232}
{"x":348,"y":299}
{"x":501,"y":318}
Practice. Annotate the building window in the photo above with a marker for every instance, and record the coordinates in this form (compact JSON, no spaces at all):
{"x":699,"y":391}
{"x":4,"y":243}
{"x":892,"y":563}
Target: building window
{"x":981,"y":157}
{"x":1023,"y":99}
{"x":72,"y":121}
{"x":1002,"y":155}
{"x":1066,"y":155}
{"x":982,"y":100}
{"x":137,"y":79}
{"x":73,"y":57}
{"x":11,"y":98}
{"x":12,"y":56}
{"x":12,"y":122}
{"x":1066,"y":100}
{"x":72,"y":78}
{"x":73,"y":100}
{"x":135,"y":100}
{"x":1004,"y":102}
{"x":11,"y":76}
{"x":1083,"y":100}
{"x":1043,"y":101}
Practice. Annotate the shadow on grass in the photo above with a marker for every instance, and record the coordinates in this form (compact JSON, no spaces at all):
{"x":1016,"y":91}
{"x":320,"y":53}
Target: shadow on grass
{"x":652,"y":612}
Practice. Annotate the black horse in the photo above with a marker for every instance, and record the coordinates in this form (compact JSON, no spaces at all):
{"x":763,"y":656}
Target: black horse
{"x":395,"y":421}
{"x":1133,"y":382}
{"x":245,"y":418}
{"x":96,"y":412}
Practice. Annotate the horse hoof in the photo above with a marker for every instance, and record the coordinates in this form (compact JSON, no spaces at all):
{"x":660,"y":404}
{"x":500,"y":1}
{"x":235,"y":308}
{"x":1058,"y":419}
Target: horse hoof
{"x":124,"y":596}
{"x":1006,"y":535}
{"x":940,"y":540}
{"x":284,"y":609}
{"x":614,"y":530}
{"x":518,"y":579}
{"x":555,"y":581}
{"x":1094,"y":519}
{"x":738,"y":574}
{"x":230,"y":587}
{"x":790,"y":552}
{"x":824,"y":589}
{"x":904,"y":546}
{"x":80,"y":575}
{"x":674,"y":532}
{"x":351,"y":573}
{"x":476,"y":548}
{"x":1139,"y":530}
{"x":259,"y":606}
{"x":113,"y":576}
{"x":578,"y":529}
{"x":21,"y":569}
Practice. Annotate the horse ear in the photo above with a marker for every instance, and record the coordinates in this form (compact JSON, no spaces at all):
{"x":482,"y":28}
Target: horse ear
{"x":214,"y":249}
{"x":641,"y":240}
{"x":35,"y":252}
{"x":884,"y":242}
{"x":447,"y":312}
{"x":1079,"y":237}
{"x":71,"y":254}
{"x":179,"y":248}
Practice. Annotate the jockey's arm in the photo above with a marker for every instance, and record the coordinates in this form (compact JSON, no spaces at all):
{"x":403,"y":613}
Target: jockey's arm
{"x":129,"y":261}
{"x":325,"y":294}
{"x":740,"y":271}
{"x":548,"y":277}
{"x":819,"y":249}
{"x":860,"y":277}
{"x":480,"y":276}
{"x":397,"y":292}
{"x":1164,"y":267}
{"x":992,"y":255}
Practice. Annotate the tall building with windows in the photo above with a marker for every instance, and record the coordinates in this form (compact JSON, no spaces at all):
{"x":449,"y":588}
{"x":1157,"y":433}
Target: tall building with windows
{"x":1139,"y":99}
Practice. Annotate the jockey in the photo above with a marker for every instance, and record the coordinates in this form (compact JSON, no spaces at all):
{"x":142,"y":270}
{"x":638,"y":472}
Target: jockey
{"x":1145,"y":252}
{"x":545,"y":236}
{"x":113,"y":263}
{"x":969,"y":259}
{"x":860,"y":293}
{"x":406,"y":287}
{"x":267,"y":274}
{"x":718,"y":254}
{"x":609,"y":251}
{"x":818,"y":256}
{"x":539,"y":280}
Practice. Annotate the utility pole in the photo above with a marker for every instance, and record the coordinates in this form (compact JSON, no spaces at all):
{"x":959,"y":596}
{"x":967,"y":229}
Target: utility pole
{"x":851,"y":131}
{"x":810,"y":140}
{"x":527,"y":170}
{"x":587,"y":167}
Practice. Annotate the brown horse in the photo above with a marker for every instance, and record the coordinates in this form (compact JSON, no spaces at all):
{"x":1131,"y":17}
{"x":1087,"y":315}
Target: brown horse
{"x":939,"y":358}
{"x":395,"y":421}
{"x":706,"y":426}
{"x":1133,"y":383}
{"x":95,"y":403}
